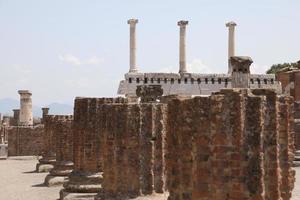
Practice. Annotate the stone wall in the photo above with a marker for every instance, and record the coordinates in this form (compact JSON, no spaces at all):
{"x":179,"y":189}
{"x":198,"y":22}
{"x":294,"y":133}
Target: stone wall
{"x":290,"y":82}
{"x":25,"y":141}
{"x":231,"y":145}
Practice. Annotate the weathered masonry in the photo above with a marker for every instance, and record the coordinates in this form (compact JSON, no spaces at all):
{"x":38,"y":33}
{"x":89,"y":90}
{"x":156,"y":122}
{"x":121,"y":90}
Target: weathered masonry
{"x":235,"y":144}
{"x":231,"y":145}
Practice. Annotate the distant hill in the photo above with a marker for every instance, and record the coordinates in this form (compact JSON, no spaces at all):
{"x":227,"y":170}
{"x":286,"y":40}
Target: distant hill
{"x":8,"y":104}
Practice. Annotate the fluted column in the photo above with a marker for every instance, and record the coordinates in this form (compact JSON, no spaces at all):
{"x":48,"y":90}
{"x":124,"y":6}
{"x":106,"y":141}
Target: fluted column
{"x":132,"y":23}
{"x":182,"y":56}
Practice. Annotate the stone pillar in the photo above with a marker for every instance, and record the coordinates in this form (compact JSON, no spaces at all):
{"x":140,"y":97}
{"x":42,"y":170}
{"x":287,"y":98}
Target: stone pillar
{"x":87,"y":177}
{"x":182,"y":57}
{"x":16,"y":117}
{"x":45,"y":112}
{"x":240,"y":71}
{"x":133,"y":67}
{"x":25,"y":118}
{"x":64,"y":151}
{"x":231,"y":43}
{"x":46,"y":163}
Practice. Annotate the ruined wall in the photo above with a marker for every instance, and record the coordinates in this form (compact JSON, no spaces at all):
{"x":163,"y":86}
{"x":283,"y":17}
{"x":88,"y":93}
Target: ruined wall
{"x":133,"y":149}
{"x":25,"y":141}
{"x":290,"y":82}
{"x":235,"y":144}
{"x":231,"y":145}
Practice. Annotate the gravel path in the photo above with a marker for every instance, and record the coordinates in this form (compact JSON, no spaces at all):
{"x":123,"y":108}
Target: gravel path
{"x":18,"y":181}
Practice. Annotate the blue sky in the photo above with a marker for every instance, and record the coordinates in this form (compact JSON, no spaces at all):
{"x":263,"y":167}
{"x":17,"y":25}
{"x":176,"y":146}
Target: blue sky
{"x":60,"y":49}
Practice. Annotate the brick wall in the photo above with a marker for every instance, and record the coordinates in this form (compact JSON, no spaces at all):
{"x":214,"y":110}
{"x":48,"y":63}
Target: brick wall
{"x":25,"y":141}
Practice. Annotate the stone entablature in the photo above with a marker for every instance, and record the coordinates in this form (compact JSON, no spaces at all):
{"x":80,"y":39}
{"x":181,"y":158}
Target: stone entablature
{"x":191,"y":83}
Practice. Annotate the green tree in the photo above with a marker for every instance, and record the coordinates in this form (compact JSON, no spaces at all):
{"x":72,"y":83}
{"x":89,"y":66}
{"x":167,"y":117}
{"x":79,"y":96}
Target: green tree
{"x":278,"y":67}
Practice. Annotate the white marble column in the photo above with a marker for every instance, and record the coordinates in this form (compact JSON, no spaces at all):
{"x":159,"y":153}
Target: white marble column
{"x":132,"y":43}
{"x":231,"y":43}
{"x":25,"y":116}
{"x":182,"y":57}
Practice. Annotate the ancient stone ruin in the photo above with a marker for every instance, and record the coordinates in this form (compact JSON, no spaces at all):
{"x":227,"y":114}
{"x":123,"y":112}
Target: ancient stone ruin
{"x":235,"y":144}
{"x":164,"y":139}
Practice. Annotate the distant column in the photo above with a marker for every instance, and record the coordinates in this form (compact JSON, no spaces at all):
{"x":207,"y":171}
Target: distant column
{"x":231,"y":43}
{"x":133,"y":67}
{"x":182,"y":57}
{"x":16,"y":117}
{"x":45,"y":111}
{"x":25,"y":118}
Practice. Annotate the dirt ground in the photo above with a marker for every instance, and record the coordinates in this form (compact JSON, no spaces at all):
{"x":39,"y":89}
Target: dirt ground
{"x":18,"y":181}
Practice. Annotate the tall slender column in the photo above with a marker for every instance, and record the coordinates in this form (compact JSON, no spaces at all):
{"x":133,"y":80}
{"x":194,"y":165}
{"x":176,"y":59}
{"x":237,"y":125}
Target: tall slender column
{"x":132,"y":23}
{"x":182,"y":58}
{"x":25,"y":118}
{"x":231,"y":43}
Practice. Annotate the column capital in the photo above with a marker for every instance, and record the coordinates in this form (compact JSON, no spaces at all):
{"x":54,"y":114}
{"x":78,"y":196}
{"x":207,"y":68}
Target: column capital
{"x":45,"y":108}
{"x":132,"y":22}
{"x":24,"y":92}
{"x":182,"y":23}
{"x":231,"y":24}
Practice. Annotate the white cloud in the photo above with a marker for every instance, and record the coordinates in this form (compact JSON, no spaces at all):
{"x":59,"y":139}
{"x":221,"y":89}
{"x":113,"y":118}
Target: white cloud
{"x":73,"y":60}
{"x":70,"y":59}
{"x":196,"y":66}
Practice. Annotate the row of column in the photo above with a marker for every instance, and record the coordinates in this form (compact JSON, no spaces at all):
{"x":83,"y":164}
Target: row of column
{"x":182,"y":45}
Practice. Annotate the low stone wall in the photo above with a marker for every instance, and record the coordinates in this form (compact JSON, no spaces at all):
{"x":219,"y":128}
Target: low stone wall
{"x":25,"y":141}
{"x":231,"y":145}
